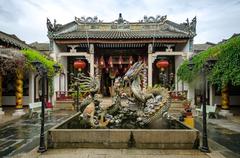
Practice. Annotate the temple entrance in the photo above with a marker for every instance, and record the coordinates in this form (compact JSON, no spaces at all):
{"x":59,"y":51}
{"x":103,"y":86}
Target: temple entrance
{"x":115,"y":63}
{"x":164,"y":76}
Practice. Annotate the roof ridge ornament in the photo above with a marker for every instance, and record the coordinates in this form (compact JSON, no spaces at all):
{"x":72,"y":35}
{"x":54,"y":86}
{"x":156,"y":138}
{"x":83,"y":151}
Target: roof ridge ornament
{"x":151,"y":19}
{"x":120,"y":23}
{"x":190,"y":27}
{"x":91,"y":20}
{"x":53,"y":27}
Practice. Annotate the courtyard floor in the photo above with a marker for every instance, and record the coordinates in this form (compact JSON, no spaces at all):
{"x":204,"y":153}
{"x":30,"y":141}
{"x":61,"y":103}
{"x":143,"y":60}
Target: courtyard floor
{"x":120,"y":153}
{"x":19,"y":138}
{"x":21,"y":134}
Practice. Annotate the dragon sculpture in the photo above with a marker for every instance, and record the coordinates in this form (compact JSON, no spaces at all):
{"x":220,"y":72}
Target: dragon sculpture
{"x":141,"y":109}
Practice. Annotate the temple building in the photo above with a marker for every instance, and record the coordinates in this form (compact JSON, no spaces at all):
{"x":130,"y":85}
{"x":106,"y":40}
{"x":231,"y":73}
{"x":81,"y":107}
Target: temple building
{"x":110,"y":48}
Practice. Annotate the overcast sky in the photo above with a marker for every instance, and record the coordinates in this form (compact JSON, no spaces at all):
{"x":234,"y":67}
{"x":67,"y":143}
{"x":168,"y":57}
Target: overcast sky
{"x":216,"y":19}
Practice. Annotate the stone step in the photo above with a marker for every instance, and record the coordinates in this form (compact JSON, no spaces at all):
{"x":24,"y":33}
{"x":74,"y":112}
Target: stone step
{"x":64,"y":105}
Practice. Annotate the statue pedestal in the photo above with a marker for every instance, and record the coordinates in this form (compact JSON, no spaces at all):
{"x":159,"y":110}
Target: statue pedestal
{"x":18,"y":112}
{"x":225,"y":113}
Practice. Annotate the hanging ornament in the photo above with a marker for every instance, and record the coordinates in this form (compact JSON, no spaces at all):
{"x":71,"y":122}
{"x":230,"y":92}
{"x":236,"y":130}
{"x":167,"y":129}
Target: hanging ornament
{"x":162,"y":64}
{"x":110,"y":61}
{"x":102,"y":62}
{"x":130,"y":60}
{"x":120,"y":61}
{"x":79,"y":64}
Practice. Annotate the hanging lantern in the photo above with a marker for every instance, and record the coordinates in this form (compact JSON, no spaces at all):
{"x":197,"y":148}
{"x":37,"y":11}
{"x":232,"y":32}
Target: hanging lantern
{"x":110,"y":61}
{"x":79,"y":64}
{"x":145,"y":60}
{"x":102,"y":62}
{"x":120,"y":61}
{"x":162,"y":64}
{"x":130,"y":60}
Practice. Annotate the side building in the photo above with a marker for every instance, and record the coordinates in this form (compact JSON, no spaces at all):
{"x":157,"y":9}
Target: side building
{"x":14,"y":83}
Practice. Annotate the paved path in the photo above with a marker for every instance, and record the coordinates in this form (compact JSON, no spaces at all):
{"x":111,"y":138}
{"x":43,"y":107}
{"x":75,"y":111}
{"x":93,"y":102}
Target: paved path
{"x":119,"y":153}
{"x":23,"y":135}
{"x":225,"y":133}
{"x":225,"y":123}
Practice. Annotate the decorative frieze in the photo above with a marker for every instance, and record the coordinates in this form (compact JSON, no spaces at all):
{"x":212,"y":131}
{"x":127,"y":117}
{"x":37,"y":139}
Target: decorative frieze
{"x":169,"y":49}
{"x":73,"y":48}
{"x":151,"y":19}
{"x":88,"y":20}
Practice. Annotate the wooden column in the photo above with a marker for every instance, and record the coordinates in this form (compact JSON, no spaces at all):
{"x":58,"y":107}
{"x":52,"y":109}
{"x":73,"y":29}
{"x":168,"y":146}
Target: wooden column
{"x":145,"y":78}
{"x":19,"y":89}
{"x":91,"y":60}
{"x":150,"y":49}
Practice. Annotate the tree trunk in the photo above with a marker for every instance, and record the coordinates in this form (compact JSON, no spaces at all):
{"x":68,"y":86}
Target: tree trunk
{"x":19,"y":89}
{"x":225,"y":97}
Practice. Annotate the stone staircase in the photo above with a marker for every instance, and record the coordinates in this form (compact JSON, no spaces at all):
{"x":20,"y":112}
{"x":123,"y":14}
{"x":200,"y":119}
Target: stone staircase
{"x":176,"y":108}
{"x":64,"y":105}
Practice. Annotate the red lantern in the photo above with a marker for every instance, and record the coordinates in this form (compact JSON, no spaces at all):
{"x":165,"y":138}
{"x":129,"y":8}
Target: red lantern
{"x":79,"y":64}
{"x":102,"y":62}
{"x":120,"y":60}
{"x":162,"y":64}
{"x":110,"y":62}
{"x":130,"y":60}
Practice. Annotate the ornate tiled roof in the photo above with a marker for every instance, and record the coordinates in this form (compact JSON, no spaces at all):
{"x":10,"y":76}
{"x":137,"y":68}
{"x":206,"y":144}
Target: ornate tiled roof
{"x":149,"y":27}
{"x":13,"y":40}
{"x":120,"y":34}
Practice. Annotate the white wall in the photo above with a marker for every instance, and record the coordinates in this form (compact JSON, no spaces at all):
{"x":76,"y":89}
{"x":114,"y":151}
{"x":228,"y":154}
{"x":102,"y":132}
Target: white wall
{"x":178,"y":61}
{"x":186,"y":48}
{"x":55,"y":53}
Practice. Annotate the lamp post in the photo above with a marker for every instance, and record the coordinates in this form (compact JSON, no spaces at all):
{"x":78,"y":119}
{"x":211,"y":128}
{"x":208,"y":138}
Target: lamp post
{"x":42,"y":71}
{"x":206,"y":67}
